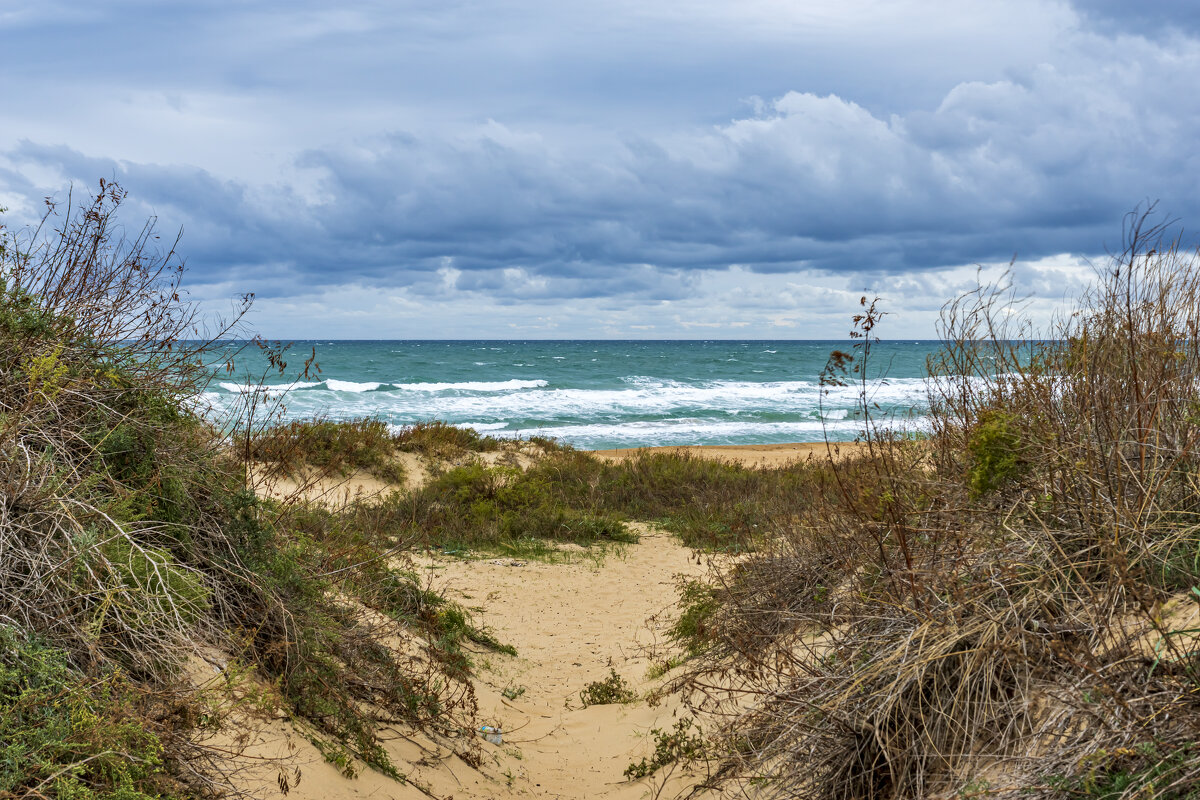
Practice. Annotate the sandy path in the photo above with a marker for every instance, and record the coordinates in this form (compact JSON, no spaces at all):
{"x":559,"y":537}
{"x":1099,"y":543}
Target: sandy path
{"x":570,"y":624}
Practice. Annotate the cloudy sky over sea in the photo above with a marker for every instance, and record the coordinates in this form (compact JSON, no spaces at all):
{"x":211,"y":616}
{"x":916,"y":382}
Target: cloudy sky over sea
{"x":612,"y":168}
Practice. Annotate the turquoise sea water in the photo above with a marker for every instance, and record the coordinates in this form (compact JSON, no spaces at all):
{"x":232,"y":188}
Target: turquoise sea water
{"x":592,"y":394}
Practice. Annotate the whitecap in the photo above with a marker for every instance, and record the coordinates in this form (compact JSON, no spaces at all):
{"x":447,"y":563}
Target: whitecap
{"x":269,"y":389}
{"x":473,"y":386}
{"x":335,"y":385}
{"x":482,"y":427}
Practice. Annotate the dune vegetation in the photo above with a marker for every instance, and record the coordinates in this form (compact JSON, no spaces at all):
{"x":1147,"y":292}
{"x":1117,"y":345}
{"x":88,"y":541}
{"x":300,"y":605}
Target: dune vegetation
{"x":1003,"y":605}
{"x":130,"y":547}
{"x":1008,"y":606}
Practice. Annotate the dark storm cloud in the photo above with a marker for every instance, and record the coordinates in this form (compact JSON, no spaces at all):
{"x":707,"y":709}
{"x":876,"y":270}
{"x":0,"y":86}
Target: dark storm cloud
{"x":1043,"y":163}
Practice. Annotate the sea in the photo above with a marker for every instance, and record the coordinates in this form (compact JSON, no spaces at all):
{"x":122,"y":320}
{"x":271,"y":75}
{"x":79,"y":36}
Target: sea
{"x":591,"y":394}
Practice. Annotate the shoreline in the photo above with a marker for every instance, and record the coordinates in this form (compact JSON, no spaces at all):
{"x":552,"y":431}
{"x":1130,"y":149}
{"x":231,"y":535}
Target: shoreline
{"x":748,"y":455}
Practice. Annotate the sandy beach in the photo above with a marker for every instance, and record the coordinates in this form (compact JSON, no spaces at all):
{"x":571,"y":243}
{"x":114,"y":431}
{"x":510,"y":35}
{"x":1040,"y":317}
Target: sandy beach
{"x":750,"y":455}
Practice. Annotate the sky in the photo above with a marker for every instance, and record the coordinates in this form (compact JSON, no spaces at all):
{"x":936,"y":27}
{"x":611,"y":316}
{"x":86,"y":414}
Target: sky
{"x":609,"y":168}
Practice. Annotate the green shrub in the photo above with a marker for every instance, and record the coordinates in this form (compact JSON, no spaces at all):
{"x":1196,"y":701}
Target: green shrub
{"x":698,"y":603}
{"x":337,"y":447}
{"x":494,"y":507}
{"x":153,"y":583}
{"x":65,"y":735}
{"x":613,"y":689}
{"x":22,"y":317}
{"x":441,"y":440}
{"x":563,"y":524}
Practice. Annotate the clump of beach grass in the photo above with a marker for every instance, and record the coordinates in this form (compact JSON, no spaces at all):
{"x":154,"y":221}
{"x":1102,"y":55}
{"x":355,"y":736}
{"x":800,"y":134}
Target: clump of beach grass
{"x":441,"y":440}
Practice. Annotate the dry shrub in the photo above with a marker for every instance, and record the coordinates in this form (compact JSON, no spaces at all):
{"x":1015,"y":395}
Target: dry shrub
{"x":982,"y":610}
{"x":441,"y":440}
{"x":334,"y":447}
{"x":104,"y":476}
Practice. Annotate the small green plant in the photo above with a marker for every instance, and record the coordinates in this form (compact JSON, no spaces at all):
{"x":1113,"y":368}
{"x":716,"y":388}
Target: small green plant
{"x":660,"y":668}
{"x":1111,"y":774}
{"x":613,"y":689}
{"x":513,"y":692}
{"x":45,"y":373}
{"x":699,"y":603}
{"x":979,"y":786}
{"x":682,"y":743}
{"x":455,"y":626}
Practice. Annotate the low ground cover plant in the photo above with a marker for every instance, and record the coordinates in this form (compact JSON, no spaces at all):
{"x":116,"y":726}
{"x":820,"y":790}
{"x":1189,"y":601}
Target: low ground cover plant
{"x":682,"y":743}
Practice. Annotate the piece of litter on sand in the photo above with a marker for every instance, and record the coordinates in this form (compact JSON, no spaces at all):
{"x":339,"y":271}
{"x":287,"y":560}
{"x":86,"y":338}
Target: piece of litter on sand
{"x":507,"y":563}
